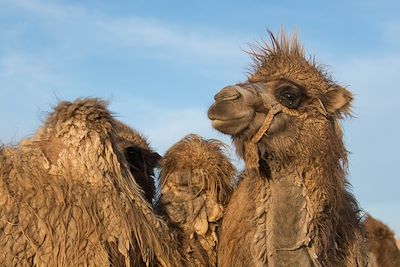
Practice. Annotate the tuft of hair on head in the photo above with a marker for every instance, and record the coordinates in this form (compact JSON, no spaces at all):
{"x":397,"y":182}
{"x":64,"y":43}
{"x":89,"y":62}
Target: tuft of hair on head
{"x":202,"y":163}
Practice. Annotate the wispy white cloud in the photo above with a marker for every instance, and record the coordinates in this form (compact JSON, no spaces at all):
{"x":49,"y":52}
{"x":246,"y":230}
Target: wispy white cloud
{"x":34,"y":80}
{"x":92,"y":26}
{"x":139,"y":31}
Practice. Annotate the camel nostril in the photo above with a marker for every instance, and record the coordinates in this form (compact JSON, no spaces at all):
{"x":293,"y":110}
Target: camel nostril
{"x":228,"y":93}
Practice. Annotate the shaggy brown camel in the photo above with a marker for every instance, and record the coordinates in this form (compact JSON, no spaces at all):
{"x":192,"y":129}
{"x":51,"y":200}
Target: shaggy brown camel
{"x":67,"y":197}
{"x":78,"y":193}
{"x":292,"y":206}
{"x":196,"y":183}
{"x":381,"y":244}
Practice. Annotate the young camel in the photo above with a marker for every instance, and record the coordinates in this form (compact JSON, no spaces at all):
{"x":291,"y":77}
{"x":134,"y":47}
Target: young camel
{"x":292,"y":206}
{"x":196,"y":184}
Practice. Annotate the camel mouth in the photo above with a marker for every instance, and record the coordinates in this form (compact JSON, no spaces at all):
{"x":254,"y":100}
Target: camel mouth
{"x":230,"y":116}
{"x":217,"y":123}
{"x":222,"y":113}
{"x":231,"y":125}
{"x":226,"y":120}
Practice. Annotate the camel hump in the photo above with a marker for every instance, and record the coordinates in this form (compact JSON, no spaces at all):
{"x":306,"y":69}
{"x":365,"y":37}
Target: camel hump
{"x":196,"y":184}
{"x":78,"y":121}
{"x":68,"y":191}
{"x":79,"y":137}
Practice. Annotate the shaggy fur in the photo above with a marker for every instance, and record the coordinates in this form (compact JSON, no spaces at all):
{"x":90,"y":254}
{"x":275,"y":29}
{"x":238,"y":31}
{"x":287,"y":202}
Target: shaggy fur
{"x":381,"y":244}
{"x":295,"y":209}
{"x":67,"y":197}
{"x":196,"y":177}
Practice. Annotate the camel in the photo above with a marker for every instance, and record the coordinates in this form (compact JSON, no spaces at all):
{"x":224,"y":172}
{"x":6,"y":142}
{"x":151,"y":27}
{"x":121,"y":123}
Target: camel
{"x":78,"y":193}
{"x":67,"y":197}
{"x":381,"y":244}
{"x":291,"y":206}
{"x":195,"y":187}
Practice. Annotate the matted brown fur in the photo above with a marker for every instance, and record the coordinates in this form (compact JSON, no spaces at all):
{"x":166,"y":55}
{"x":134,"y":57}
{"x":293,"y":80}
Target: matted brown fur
{"x":196,"y":184}
{"x":381,"y":244}
{"x":296,"y":210}
{"x":67,"y":197}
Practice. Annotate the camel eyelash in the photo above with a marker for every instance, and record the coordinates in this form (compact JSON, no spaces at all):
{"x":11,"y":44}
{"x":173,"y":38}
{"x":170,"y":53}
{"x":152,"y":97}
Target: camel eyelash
{"x":289,"y":96}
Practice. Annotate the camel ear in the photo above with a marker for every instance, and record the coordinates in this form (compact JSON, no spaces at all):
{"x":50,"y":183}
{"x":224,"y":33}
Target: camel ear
{"x":337,"y":101}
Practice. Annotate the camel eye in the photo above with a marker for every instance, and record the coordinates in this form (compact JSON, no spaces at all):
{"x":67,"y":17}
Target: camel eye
{"x":289,"y":96}
{"x":133,"y":155}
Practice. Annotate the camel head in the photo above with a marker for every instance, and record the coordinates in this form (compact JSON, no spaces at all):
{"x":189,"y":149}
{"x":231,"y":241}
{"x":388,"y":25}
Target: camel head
{"x":286,"y":100}
{"x":141,"y":159}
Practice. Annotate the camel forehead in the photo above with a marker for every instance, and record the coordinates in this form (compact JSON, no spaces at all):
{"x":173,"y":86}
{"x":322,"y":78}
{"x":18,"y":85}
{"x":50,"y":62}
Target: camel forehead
{"x":284,"y":58}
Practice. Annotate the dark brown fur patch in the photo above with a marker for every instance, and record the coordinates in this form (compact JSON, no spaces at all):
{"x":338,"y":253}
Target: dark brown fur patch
{"x":142,"y":160}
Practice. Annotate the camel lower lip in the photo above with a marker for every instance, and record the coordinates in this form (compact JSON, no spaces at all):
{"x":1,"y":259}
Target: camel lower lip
{"x":223,"y":123}
{"x":227,"y":120}
{"x":217,"y":123}
{"x":231,"y":126}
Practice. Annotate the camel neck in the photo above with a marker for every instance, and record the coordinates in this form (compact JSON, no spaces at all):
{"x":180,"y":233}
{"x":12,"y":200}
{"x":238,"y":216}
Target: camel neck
{"x":288,"y":212}
{"x":281,"y":221}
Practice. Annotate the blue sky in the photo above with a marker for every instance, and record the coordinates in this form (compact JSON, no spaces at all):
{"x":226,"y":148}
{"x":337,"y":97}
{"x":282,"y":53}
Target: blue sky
{"x":161,"y":62}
